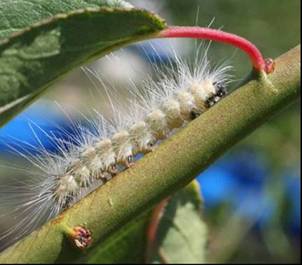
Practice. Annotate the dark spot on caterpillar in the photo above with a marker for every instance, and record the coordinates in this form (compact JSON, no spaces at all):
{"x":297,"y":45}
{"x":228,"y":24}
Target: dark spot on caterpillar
{"x":130,"y":159}
{"x":151,"y":143}
{"x":221,"y":90}
{"x":210,"y":101}
{"x":194,"y":114}
{"x":68,"y":202}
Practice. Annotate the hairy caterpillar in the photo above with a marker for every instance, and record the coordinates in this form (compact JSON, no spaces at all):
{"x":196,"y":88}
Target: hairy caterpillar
{"x":97,"y":152}
{"x":100,"y":149}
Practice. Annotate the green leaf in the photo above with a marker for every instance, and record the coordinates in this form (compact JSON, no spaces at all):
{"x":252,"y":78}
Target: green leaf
{"x":35,"y":57}
{"x":182,"y":234}
{"x":19,"y":14}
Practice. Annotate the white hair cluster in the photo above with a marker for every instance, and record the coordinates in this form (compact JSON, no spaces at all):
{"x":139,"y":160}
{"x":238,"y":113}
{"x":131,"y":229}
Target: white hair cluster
{"x":180,"y":92}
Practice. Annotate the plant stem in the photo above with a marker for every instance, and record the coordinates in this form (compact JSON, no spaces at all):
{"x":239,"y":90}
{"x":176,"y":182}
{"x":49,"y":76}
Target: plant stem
{"x":258,"y":62}
{"x":171,"y":166}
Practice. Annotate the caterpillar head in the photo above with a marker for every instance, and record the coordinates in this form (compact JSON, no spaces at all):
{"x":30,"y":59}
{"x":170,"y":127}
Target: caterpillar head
{"x":220,"y":92}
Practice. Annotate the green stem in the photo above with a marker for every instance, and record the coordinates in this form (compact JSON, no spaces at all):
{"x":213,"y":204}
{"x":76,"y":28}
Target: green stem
{"x":174,"y":164}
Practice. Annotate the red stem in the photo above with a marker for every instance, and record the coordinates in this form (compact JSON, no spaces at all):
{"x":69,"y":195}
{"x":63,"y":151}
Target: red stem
{"x":258,"y":62}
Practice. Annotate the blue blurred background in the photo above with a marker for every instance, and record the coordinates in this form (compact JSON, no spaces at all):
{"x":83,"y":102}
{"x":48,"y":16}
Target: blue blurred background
{"x":252,"y":193}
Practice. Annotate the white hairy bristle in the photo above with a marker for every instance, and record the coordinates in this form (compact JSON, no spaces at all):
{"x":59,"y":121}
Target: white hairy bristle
{"x":179,"y":92}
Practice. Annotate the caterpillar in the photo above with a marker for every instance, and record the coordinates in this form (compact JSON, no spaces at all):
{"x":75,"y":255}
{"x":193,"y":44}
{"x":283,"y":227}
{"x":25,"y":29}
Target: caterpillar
{"x":98,"y":150}
{"x":181,"y":92}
